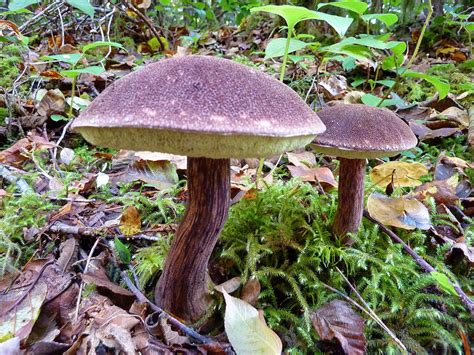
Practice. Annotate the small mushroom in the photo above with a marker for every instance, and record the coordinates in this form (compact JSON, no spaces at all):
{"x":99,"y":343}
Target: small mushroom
{"x":356,"y":133}
{"x":210,"y":110}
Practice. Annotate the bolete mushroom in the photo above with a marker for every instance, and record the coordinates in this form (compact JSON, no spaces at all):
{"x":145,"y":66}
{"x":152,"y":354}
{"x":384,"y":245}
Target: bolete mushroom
{"x":210,"y":110}
{"x":355,"y":133}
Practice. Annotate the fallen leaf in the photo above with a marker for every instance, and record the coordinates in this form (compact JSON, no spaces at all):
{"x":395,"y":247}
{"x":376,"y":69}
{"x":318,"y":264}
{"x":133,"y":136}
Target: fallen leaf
{"x":172,"y":337}
{"x":102,"y":180}
{"x":456,"y":115}
{"x":66,"y":156}
{"x":323,"y":175}
{"x":443,"y":191}
{"x":53,"y":101}
{"x":334,"y":86}
{"x":130,"y":222}
{"x":303,"y":159}
{"x":247,"y":333}
{"x":398,"y":212}
{"x":403,"y":174}
{"x":251,"y":291}
{"x":19,"y":321}
{"x":229,"y":286}
{"x":337,"y":319}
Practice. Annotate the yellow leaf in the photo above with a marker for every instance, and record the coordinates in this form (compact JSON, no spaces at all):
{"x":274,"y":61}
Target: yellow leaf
{"x":398,"y":212}
{"x":130,"y":223}
{"x":404,"y":174}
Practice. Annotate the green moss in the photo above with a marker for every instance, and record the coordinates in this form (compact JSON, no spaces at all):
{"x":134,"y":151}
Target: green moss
{"x":9,"y":61}
{"x":282,"y":237}
{"x":16,"y":215}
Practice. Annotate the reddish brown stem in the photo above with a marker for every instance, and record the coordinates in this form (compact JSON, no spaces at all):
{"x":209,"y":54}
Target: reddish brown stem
{"x":350,"y":197}
{"x":183,"y":288}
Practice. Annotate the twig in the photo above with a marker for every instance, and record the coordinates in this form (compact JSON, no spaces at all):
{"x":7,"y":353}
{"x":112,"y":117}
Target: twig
{"x":76,"y":312}
{"x":39,"y":14}
{"x":173,"y":321}
{"x":61,"y":137}
{"x":147,"y":22}
{"x":373,"y":315}
{"x":59,"y":227}
{"x":420,"y":261}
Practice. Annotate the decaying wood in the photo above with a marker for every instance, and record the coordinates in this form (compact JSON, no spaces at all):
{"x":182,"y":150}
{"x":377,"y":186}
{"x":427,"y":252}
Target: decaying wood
{"x":183,"y":288}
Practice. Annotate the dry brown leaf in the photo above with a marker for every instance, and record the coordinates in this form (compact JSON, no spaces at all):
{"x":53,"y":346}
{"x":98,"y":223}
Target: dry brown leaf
{"x":130,"y":222}
{"x":251,"y":291}
{"x":456,"y":115}
{"x":53,"y":101}
{"x":323,"y":175}
{"x":303,"y":159}
{"x":230,"y":285}
{"x":337,"y":319}
{"x":443,"y":191}
{"x":404,"y":174}
{"x":398,"y":212}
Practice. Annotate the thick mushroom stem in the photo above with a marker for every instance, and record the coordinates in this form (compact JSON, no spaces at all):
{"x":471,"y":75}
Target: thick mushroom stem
{"x":183,"y":288}
{"x":350,"y":197}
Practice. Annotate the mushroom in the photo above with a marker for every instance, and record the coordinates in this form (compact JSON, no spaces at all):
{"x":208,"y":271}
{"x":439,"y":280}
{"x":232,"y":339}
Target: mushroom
{"x":210,"y":110}
{"x":355,"y":133}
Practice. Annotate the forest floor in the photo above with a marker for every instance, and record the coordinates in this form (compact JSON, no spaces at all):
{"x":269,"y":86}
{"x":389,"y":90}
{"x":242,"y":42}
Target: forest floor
{"x":84,"y":230}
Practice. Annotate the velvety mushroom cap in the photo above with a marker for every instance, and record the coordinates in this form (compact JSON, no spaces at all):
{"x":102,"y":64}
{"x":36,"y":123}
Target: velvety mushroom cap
{"x":358,"y":131}
{"x":200,"y":107}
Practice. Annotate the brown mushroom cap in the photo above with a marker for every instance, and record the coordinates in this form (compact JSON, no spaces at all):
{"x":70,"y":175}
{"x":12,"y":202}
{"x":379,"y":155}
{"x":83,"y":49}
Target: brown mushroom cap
{"x":200,"y":107}
{"x":358,"y":131}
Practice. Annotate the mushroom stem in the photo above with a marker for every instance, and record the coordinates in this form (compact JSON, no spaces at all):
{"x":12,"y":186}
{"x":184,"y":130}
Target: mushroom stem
{"x":350,"y":205}
{"x":183,"y":288}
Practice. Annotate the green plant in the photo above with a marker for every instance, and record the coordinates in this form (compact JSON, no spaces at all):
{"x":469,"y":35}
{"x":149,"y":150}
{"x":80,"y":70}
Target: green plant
{"x":73,"y":60}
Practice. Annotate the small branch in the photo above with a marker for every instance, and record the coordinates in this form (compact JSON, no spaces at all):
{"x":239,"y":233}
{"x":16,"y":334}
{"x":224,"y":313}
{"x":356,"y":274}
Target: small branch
{"x":59,"y":227}
{"x":420,"y":261}
{"x":373,"y":315}
{"x":173,"y":321}
{"x":147,"y":22}
{"x":86,"y":268}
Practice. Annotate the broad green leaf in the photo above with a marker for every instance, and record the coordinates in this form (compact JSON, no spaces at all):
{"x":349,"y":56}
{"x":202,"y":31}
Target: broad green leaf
{"x":387,"y":19}
{"x":93,"y":45}
{"x":443,"y":282}
{"x":66,"y":58}
{"x":247,"y":333}
{"x":15,"y":12}
{"x":441,"y":86}
{"x":73,"y":73}
{"x":351,"y":50}
{"x":469,"y":26}
{"x":295,"y":14}
{"x":82,"y":5}
{"x":355,"y":6}
{"x":374,"y":101}
{"x":57,"y":118}
{"x":276,"y":47}
{"x":21,"y":4}
{"x":373,"y":42}
{"x":122,"y":251}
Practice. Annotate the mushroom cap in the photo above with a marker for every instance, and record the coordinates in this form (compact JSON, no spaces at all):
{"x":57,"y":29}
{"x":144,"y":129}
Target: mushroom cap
{"x":200,"y":107}
{"x":356,"y":131}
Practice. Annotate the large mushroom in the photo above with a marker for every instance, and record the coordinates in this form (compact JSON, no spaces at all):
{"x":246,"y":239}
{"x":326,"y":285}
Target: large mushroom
{"x":355,"y":133}
{"x":210,"y":110}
